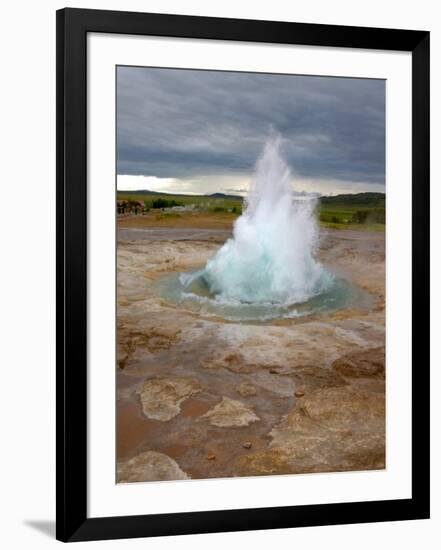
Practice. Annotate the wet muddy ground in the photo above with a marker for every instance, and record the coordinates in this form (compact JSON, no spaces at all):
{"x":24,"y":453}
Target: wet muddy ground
{"x":201,"y":397}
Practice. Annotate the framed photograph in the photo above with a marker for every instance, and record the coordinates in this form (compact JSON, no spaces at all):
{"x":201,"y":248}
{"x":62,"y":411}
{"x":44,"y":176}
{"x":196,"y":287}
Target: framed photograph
{"x":242,"y":274}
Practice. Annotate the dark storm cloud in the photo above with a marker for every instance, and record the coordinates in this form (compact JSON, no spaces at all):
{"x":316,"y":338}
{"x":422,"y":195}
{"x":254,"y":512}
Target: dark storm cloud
{"x":185,"y":123}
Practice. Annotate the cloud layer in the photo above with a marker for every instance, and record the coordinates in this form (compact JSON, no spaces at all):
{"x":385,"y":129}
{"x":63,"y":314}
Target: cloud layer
{"x":197,"y":126}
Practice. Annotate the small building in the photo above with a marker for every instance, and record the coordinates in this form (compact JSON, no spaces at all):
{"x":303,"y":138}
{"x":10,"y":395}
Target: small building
{"x":121,"y":206}
{"x":136,"y":207}
{"x":130,"y":207}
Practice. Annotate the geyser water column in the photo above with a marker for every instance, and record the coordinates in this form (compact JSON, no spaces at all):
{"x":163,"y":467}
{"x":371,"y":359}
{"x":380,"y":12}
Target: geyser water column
{"x":268,"y":270}
{"x":270,"y":258}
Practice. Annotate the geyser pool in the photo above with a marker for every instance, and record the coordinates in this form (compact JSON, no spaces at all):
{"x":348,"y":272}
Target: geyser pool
{"x":197,"y":298}
{"x":268,"y":269}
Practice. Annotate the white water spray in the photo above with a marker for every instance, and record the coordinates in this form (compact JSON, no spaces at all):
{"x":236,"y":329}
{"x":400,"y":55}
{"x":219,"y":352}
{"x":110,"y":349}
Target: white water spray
{"x":270,"y":258}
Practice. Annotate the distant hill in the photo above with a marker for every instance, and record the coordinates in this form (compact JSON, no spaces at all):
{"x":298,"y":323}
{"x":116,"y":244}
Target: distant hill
{"x":148,"y":193}
{"x":224,"y":196}
{"x":361,"y":199}
{"x":368,"y":199}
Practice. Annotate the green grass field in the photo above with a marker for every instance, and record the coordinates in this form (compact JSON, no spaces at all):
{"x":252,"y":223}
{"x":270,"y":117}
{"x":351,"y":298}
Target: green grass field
{"x":203,"y":202}
{"x":362,"y":211}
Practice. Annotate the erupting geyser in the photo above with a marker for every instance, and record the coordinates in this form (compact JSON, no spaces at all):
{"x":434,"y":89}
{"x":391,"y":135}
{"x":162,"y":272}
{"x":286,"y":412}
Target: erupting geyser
{"x":268,"y":270}
{"x":270,"y":259}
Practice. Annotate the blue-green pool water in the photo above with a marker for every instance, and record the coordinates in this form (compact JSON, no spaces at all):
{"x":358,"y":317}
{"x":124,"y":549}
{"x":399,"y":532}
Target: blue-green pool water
{"x":190,"y":291}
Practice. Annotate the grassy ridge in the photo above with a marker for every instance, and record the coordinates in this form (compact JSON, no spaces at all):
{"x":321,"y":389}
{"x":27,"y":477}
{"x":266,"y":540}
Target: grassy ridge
{"x":200,"y":201}
{"x":365,"y":211}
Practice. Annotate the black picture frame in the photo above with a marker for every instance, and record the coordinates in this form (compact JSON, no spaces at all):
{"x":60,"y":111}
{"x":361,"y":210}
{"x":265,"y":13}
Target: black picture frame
{"x":71,"y":428}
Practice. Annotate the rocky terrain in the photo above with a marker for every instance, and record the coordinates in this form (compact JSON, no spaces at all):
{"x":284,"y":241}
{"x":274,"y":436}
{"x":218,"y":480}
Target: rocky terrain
{"x":202,"y":397}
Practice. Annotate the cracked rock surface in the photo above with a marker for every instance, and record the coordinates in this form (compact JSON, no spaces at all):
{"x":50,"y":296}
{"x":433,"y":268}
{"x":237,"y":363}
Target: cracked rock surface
{"x":230,"y":413}
{"x":149,"y":466}
{"x":161,"y":398}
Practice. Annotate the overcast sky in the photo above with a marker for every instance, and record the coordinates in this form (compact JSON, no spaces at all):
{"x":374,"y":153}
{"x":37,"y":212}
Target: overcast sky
{"x":201,"y":131}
